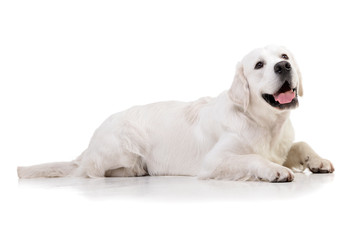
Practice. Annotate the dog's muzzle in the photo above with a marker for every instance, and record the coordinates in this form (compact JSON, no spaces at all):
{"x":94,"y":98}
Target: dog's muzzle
{"x":285,"y":98}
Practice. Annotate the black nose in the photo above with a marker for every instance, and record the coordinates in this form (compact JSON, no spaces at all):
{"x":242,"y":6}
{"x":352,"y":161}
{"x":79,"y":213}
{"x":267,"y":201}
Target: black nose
{"x":282,"y":67}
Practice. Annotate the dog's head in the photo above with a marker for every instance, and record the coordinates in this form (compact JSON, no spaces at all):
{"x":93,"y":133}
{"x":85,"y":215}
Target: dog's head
{"x":267,"y":76}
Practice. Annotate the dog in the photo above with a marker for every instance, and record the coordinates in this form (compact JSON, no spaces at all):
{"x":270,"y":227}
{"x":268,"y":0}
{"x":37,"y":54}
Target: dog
{"x":243,"y":134}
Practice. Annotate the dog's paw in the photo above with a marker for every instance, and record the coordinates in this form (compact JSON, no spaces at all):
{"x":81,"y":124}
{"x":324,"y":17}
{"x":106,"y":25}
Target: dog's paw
{"x":276,"y":173}
{"x":320,"y":165}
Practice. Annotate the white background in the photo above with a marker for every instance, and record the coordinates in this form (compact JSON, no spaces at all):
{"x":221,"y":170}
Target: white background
{"x":67,"y":65}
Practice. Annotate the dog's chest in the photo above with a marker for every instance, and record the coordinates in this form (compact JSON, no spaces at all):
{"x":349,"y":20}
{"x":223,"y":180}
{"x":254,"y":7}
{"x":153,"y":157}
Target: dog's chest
{"x":275,"y":144}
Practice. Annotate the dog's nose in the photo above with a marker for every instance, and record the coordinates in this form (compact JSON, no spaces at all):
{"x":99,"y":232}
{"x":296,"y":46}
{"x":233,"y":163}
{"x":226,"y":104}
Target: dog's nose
{"x":282,"y":67}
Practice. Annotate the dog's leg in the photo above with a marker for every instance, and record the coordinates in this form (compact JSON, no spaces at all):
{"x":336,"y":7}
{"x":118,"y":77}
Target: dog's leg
{"x":247,"y":167}
{"x":116,"y":149}
{"x":222,"y":162}
{"x":116,"y":163}
{"x":302,"y":156}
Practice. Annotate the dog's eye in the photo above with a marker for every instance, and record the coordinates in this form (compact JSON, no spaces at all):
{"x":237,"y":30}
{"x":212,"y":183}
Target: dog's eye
{"x":259,"y":65}
{"x":285,"y":56}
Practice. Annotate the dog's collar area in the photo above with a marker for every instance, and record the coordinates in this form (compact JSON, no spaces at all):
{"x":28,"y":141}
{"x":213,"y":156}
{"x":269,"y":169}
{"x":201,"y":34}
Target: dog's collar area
{"x":285,"y":98}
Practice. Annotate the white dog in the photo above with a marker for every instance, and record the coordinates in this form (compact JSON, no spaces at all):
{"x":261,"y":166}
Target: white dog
{"x":244,"y":133}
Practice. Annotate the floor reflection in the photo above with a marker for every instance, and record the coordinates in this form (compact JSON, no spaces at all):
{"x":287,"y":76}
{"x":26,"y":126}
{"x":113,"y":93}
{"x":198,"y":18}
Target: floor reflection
{"x":183,"y":188}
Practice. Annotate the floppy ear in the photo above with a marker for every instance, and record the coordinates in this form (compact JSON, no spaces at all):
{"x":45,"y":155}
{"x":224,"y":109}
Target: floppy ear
{"x":239,"y":91}
{"x":300,"y":88}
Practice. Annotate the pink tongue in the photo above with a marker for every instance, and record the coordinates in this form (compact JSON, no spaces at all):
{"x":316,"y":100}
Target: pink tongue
{"x":285,"y":97}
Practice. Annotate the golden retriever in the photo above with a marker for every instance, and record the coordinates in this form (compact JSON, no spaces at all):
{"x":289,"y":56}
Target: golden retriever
{"x":244,"y":133}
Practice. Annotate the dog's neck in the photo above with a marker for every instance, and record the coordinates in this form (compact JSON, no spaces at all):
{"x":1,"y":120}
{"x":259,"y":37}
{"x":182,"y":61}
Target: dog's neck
{"x":273,"y":121}
{"x":267,"y":117}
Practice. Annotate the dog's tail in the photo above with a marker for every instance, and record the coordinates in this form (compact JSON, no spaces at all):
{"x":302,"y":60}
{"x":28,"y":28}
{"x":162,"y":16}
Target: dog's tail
{"x":57,"y":169}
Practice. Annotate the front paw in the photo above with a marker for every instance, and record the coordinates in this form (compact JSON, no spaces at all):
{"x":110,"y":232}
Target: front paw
{"x":276,"y":173}
{"x":320,"y":165}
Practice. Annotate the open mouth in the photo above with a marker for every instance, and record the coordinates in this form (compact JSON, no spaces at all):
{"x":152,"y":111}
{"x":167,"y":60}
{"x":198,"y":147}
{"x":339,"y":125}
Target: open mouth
{"x":285,"y":98}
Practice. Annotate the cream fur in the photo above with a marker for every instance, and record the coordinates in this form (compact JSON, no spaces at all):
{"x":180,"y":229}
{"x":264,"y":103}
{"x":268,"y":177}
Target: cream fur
{"x":234,"y":136}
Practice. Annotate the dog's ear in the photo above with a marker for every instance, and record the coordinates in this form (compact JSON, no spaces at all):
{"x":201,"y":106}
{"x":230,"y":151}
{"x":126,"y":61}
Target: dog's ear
{"x":300,"y":87}
{"x":239,"y":91}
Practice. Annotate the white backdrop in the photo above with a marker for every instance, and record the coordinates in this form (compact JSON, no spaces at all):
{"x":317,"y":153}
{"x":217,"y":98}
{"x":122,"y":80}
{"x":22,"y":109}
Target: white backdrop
{"x":67,"y":65}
